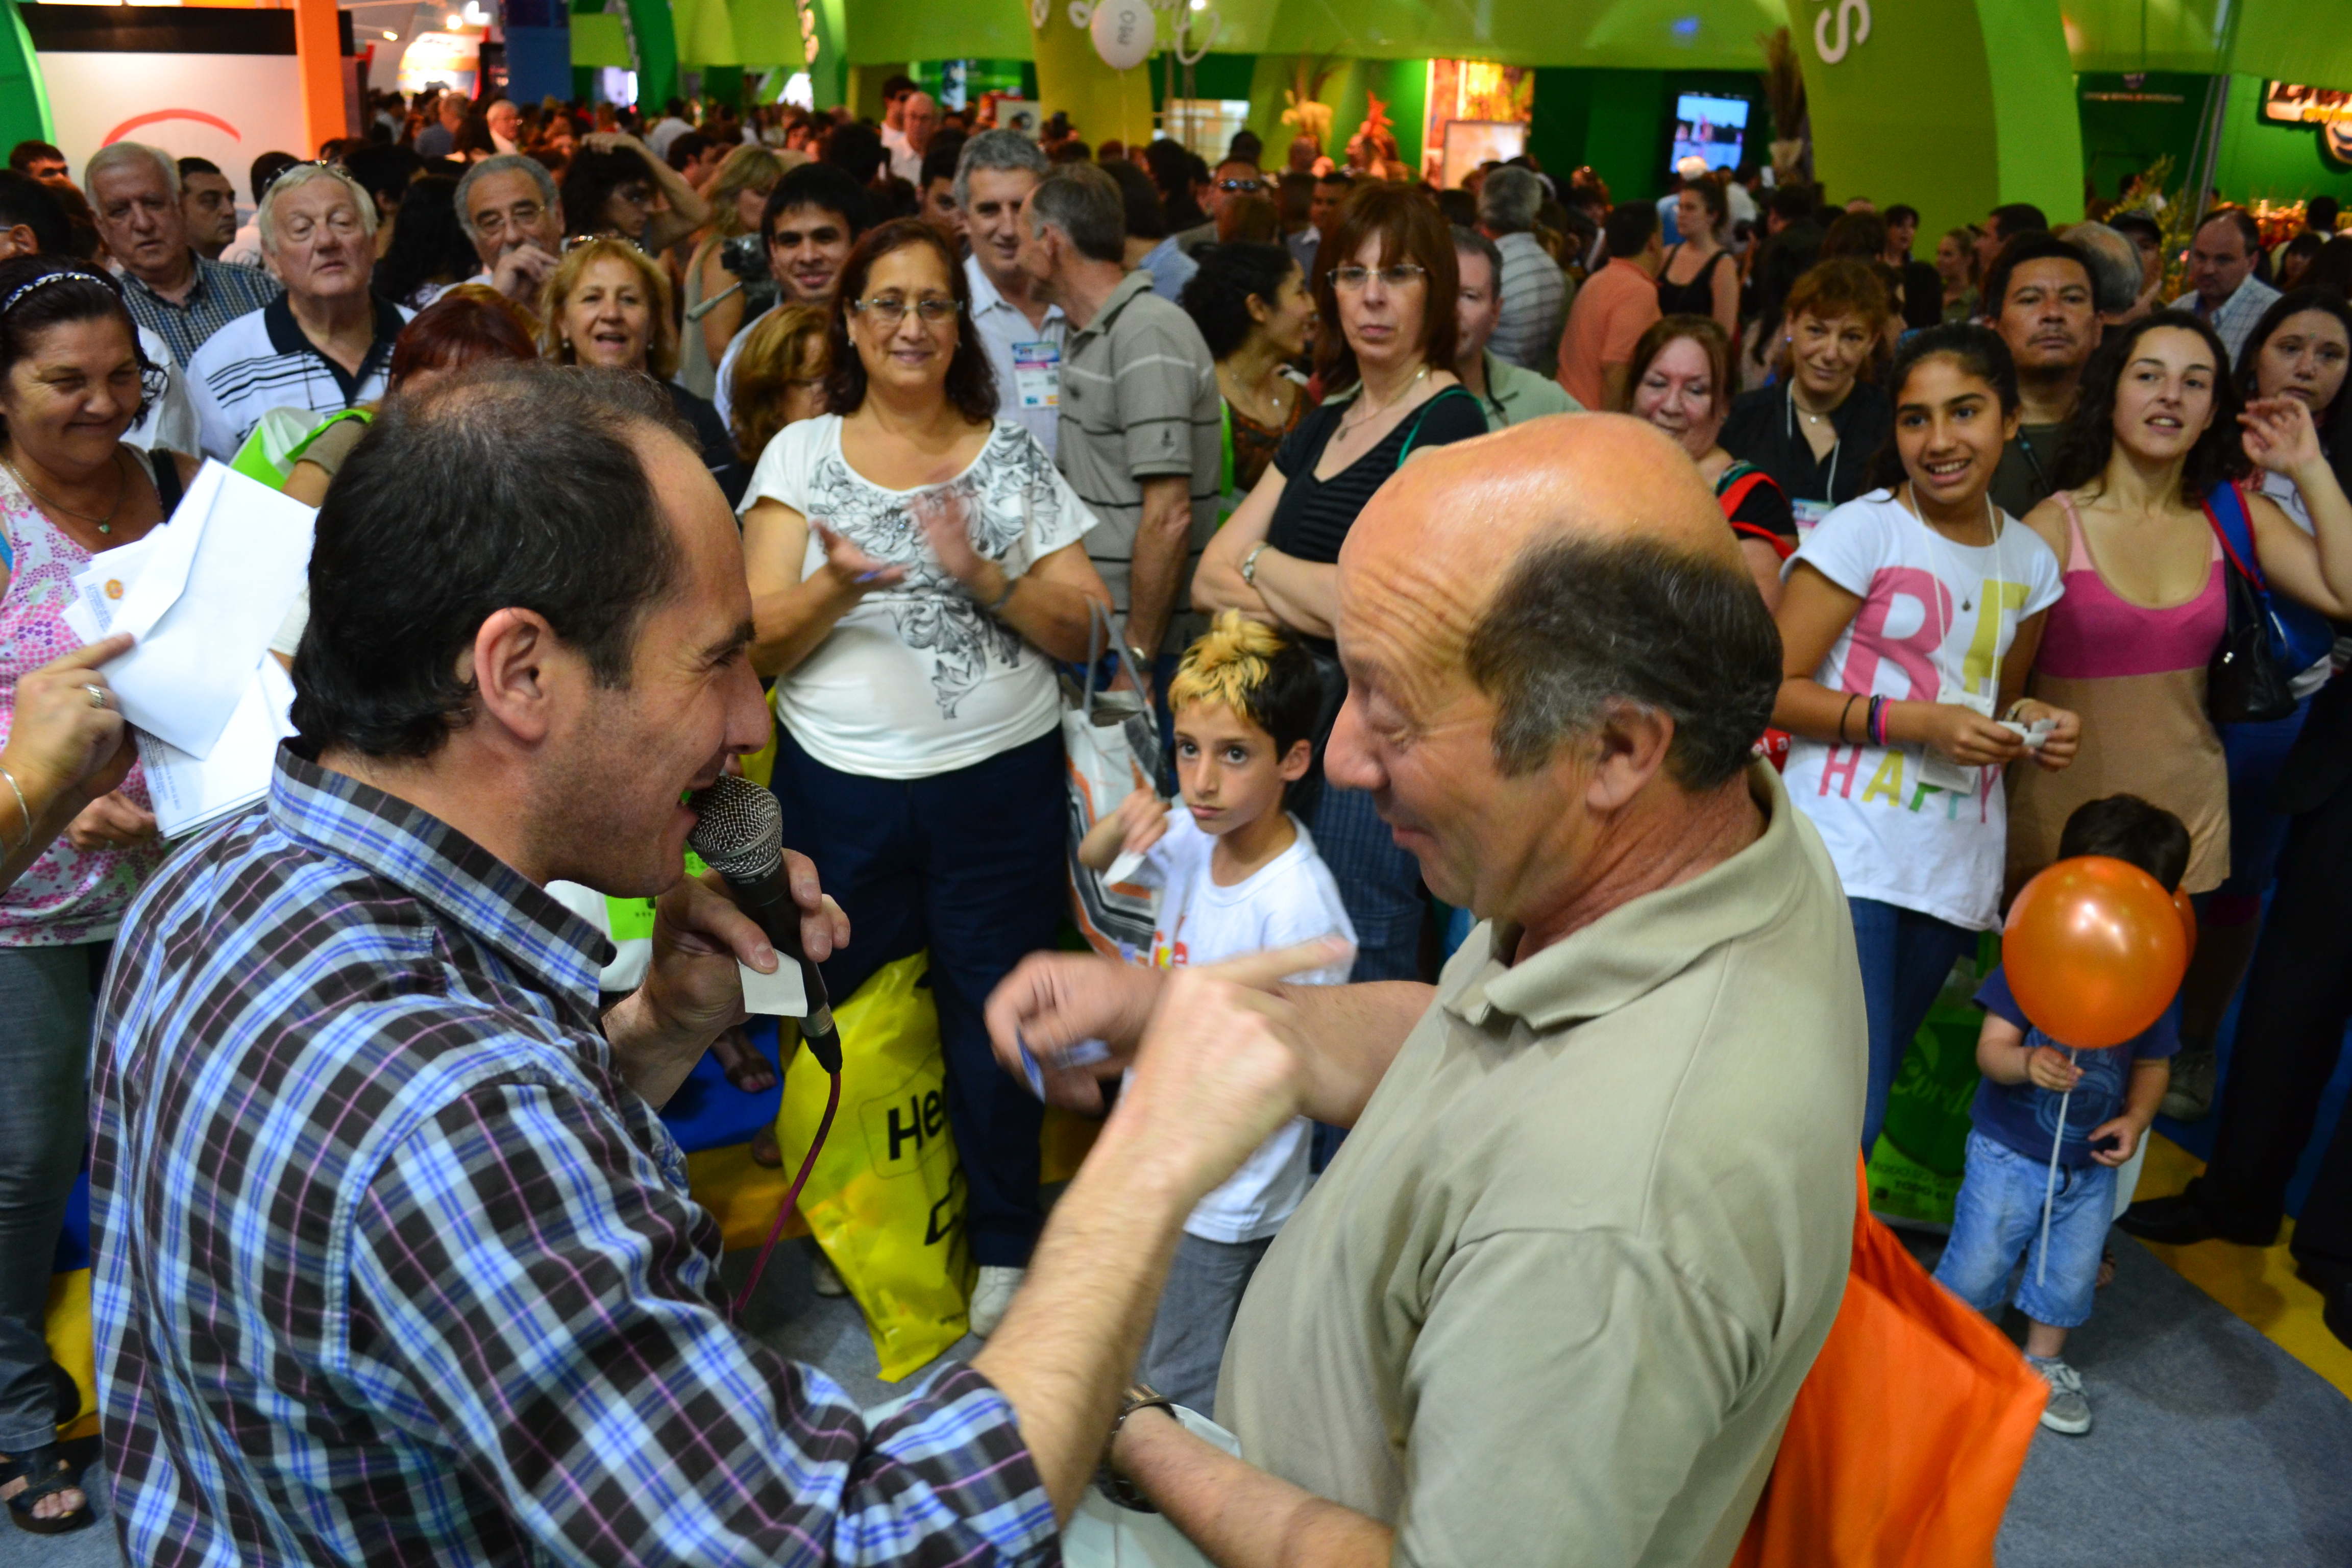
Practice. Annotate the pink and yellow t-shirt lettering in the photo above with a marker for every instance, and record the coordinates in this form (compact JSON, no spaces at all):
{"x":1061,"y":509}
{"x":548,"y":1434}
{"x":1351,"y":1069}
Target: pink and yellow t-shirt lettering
{"x":1935,"y":621}
{"x":1913,"y":652}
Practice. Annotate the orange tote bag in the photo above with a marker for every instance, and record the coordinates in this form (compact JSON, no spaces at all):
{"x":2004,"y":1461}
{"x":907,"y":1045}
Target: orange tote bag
{"x":1908,"y":1434}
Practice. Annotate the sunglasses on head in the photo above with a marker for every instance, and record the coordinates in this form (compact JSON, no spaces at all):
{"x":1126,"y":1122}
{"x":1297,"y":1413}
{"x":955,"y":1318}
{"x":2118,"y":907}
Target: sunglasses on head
{"x":1244,"y":185}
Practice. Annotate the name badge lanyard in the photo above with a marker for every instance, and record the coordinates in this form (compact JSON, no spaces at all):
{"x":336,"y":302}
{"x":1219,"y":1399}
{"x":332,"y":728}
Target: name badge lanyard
{"x":1788,"y":434}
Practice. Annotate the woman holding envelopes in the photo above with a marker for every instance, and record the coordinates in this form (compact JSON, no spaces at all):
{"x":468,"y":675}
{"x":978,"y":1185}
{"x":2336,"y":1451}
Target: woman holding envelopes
{"x":71,"y":382}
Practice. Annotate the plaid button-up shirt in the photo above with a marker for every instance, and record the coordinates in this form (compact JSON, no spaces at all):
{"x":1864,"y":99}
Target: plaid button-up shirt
{"x":220,"y":294}
{"x":392,"y":1265}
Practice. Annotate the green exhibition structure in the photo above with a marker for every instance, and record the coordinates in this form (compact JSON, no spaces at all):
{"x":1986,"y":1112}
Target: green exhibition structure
{"x":1955,"y":105}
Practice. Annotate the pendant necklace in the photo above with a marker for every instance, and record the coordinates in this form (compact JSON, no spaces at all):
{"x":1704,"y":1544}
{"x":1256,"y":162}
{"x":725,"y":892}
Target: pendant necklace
{"x":103,"y":524}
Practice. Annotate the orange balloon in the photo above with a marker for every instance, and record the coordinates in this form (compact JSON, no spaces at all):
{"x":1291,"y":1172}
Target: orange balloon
{"x":2187,"y":913}
{"x":2094,"y":951}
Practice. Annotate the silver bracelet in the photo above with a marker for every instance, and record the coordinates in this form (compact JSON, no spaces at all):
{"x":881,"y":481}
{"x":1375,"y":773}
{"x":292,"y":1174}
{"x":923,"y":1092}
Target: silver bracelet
{"x":1004,"y":598}
{"x":17,"y":790}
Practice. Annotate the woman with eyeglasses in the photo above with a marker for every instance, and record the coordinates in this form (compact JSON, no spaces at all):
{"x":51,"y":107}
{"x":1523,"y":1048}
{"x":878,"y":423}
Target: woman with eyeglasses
{"x":1390,"y":291}
{"x":608,"y":305}
{"x":612,"y":185}
{"x":916,"y":566}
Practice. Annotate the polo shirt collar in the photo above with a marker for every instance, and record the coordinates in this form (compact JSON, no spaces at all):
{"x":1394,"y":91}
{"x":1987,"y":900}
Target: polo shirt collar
{"x":1639,"y":946}
{"x":987,"y":296}
{"x":287,"y":337}
{"x":1136,"y":283}
{"x":186,"y":302}
{"x":336,"y":814}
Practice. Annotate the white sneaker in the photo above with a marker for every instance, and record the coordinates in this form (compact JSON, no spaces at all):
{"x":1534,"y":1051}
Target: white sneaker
{"x":993,"y":1295}
{"x":2069,"y":1410}
{"x":823,"y":1279}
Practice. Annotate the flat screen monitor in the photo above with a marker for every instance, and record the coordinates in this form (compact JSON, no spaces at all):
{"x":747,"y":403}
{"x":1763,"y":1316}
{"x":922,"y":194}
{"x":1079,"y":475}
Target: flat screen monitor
{"x":1709,"y":128}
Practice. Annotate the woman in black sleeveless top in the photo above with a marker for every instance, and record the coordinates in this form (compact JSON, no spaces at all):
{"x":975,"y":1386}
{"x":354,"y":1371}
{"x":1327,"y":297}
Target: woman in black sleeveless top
{"x":1391,"y":297}
{"x":1700,"y":278}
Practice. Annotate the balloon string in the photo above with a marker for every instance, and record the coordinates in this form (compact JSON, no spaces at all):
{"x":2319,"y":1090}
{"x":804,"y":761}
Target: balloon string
{"x":2050,"y":1189}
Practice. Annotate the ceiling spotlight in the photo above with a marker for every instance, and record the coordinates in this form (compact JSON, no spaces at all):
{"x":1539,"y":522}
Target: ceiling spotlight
{"x":392,"y":37}
{"x":455,"y":21}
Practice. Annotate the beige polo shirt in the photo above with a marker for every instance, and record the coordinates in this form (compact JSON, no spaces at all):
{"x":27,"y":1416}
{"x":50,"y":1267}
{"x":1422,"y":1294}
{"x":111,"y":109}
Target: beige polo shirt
{"x":1551,"y":1302}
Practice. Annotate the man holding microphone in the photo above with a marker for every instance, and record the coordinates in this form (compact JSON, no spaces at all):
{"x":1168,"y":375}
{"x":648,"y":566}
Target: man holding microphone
{"x":394,"y":1258}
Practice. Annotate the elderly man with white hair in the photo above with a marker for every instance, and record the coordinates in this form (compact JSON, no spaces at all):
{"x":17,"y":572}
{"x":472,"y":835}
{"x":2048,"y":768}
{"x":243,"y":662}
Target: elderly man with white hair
{"x":1535,"y":292}
{"x":326,"y":343}
{"x":173,"y":292}
{"x":919,"y":116}
{"x":508,"y":207}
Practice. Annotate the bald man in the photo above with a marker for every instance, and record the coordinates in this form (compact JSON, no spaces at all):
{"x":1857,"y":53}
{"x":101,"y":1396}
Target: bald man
{"x":1553,"y":1299}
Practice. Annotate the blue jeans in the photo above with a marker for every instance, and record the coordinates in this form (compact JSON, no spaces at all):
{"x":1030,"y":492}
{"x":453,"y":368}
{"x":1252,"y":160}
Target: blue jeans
{"x":2257,"y":756}
{"x":970,"y":865}
{"x":1997,"y":1220}
{"x":1905,"y":958}
{"x":45,"y":1023}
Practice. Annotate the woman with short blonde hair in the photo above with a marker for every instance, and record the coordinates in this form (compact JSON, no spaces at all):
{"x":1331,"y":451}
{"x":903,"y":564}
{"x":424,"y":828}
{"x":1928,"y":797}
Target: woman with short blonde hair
{"x":607,"y":306}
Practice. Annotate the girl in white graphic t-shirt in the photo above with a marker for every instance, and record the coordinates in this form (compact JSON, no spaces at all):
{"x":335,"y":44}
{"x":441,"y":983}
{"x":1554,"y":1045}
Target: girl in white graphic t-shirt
{"x":1909,"y":623}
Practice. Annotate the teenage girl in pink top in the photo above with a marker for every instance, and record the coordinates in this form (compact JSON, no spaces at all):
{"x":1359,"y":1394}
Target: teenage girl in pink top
{"x":2126,"y":648}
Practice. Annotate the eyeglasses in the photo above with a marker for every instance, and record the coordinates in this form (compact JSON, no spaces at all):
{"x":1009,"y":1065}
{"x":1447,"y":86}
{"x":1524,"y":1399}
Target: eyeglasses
{"x":523,"y":214}
{"x":1401,"y":275}
{"x":890,"y":308}
{"x":1247,"y":186}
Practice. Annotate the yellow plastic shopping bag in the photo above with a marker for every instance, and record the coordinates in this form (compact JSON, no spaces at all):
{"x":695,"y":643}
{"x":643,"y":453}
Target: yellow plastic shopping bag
{"x":886,"y":1198}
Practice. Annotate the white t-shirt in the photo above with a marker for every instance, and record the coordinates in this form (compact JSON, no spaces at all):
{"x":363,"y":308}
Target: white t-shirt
{"x":1937,"y":619}
{"x":918,"y":679}
{"x":1290,"y":899}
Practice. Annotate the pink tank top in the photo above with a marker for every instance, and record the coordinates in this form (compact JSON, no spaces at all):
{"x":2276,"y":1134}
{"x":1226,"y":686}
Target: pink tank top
{"x":68,"y":895}
{"x":2094,"y":634}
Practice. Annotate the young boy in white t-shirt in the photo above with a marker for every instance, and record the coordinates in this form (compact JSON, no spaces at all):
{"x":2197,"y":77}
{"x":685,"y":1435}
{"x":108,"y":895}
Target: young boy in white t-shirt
{"x":1236,"y":873}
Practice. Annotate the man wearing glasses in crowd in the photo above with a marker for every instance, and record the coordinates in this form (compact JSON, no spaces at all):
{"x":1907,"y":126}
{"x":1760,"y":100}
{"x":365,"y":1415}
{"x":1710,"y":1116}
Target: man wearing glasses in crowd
{"x":1235,"y":178}
{"x":510,"y":209}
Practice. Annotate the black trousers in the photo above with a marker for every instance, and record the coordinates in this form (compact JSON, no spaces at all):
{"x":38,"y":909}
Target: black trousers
{"x":2290,"y":1033}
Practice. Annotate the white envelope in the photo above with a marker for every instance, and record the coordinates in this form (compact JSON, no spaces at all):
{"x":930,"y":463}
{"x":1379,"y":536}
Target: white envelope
{"x":190,"y":791}
{"x":211,"y":588}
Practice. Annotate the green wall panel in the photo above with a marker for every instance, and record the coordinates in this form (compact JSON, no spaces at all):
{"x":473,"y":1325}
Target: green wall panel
{"x":24,"y":96}
{"x":1917,"y":112}
{"x":2262,"y":158}
{"x":2119,"y":140}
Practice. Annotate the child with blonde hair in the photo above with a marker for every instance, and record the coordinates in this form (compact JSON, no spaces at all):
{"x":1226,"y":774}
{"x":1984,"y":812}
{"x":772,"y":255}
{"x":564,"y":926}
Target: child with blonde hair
{"x":1236,"y":873}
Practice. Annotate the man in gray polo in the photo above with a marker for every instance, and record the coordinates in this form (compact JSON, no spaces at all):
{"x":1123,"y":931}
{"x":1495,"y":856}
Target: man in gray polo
{"x":1534,"y":289}
{"x":1510,"y":394}
{"x":1141,"y":423}
{"x":1553,"y":1299}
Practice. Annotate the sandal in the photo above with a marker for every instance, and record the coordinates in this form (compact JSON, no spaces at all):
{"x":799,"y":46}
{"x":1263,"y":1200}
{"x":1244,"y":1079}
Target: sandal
{"x":745,"y":1067}
{"x":50,"y":1473}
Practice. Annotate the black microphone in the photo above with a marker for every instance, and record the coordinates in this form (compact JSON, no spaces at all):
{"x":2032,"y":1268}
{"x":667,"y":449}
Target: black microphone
{"x":740,"y":834}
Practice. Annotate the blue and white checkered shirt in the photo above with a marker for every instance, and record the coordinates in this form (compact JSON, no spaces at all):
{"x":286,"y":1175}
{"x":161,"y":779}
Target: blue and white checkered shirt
{"x":392,"y":1266}
{"x":2236,"y":316}
{"x":220,"y":294}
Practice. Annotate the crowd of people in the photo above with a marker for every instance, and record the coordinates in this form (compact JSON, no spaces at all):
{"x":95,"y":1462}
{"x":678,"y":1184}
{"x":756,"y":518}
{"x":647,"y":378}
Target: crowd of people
{"x":985,"y":403}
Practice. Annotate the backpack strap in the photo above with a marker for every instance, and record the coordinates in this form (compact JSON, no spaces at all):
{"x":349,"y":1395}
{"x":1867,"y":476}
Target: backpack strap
{"x":167,"y":481}
{"x":1423,"y":413}
{"x":2225,"y":510}
{"x":1781,"y":547}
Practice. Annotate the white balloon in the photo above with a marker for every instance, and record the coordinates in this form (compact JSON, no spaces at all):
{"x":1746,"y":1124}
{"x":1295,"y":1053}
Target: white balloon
{"x":1123,"y":32}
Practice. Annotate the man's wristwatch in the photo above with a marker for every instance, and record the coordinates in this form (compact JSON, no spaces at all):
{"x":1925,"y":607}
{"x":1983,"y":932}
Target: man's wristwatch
{"x":1116,"y":1487}
{"x":1249,"y":563}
